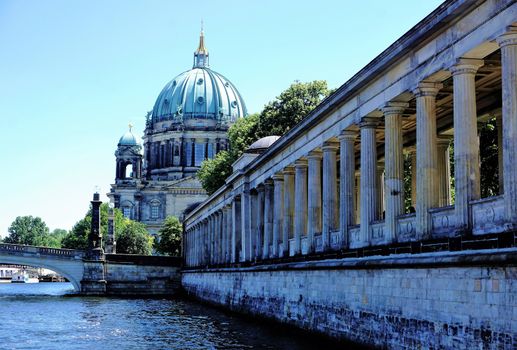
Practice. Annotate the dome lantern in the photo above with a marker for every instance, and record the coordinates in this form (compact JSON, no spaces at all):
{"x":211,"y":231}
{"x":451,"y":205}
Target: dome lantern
{"x":201,"y":54}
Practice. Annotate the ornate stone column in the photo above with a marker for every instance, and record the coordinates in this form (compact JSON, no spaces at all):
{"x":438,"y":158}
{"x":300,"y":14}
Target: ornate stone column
{"x":330,"y":200}
{"x":444,"y":171}
{"x":313,"y":198}
{"x":508,"y":44}
{"x":268,"y":217}
{"x":246,"y":225}
{"x":288,"y":226}
{"x":259,"y":241}
{"x":426,"y":156}
{"x":466,"y":142}
{"x":278,"y":212}
{"x":394,"y":167}
{"x":300,"y":204}
{"x":369,"y":194}
{"x":347,"y":184}
{"x":236,"y":229}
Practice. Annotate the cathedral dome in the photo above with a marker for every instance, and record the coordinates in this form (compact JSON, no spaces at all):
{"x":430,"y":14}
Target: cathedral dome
{"x":128,"y":139}
{"x":198,"y":97}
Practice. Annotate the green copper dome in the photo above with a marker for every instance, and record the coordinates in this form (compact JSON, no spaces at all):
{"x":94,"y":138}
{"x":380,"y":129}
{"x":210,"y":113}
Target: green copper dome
{"x":199,"y":94}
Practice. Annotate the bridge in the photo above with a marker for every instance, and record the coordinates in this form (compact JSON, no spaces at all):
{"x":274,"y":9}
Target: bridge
{"x":111,"y":274}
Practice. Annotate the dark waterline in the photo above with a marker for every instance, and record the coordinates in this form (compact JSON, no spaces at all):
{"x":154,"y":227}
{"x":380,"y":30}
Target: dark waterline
{"x":39,"y":316}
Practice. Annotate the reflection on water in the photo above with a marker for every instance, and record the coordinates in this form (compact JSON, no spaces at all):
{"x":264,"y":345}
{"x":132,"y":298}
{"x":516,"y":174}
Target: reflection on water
{"x":37,"y":316}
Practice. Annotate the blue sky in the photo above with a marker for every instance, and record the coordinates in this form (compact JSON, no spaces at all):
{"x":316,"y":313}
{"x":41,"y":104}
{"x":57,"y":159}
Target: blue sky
{"x":73,"y":74}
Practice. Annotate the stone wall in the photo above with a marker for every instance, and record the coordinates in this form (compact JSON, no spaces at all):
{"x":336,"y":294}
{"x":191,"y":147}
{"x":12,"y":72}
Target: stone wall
{"x":142,"y":275}
{"x":448,"y":300}
{"x":130,"y":279}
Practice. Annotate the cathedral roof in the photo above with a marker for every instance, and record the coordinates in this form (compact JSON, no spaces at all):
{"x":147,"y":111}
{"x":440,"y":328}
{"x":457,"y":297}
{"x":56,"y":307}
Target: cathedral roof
{"x":128,"y":139}
{"x":199,"y":94}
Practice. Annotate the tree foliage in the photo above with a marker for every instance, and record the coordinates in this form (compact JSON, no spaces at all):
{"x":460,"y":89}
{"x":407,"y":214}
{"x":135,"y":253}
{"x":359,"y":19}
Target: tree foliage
{"x":169,"y":237}
{"x":213,"y":172}
{"x":28,"y":230}
{"x":278,"y":117}
{"x":134,"y":239}
{"x":290,"y":107}
{"x":77,"y":238}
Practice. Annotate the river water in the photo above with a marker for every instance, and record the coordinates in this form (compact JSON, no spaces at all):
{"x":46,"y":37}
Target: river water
{"x":41,"y":316}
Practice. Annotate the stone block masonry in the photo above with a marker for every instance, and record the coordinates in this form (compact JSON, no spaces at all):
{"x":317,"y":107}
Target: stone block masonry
{"x":460,"y":300}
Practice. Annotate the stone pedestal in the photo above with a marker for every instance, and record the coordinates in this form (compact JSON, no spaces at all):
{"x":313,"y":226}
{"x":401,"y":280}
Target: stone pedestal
{"x":94,"y":281}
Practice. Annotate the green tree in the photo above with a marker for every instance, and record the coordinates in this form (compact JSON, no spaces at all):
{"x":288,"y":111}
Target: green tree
{"x":278,"y":117}
{"x":28,"y":230}
{"x":55,"y":237}
{"x":77,"y":238}
{"x":169,"y":237}
{"x":213,"y":172}
{"x":134,"y":239}
{"x":290,"y":107}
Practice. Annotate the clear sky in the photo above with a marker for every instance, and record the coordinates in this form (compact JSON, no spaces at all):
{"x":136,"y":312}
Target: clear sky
{"x":73,"y":74}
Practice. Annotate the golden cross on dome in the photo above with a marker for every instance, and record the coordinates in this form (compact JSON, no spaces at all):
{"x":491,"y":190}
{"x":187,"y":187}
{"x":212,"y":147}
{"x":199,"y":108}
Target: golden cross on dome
{"x":130,"y":126}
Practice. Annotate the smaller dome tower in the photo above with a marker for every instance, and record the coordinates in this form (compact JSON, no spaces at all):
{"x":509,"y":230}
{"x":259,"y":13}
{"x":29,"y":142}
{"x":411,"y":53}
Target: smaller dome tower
{"x":128,"y":157}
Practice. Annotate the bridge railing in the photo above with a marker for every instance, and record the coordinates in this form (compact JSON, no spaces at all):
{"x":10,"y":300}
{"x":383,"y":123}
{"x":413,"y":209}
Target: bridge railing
{"x":40,"y":250}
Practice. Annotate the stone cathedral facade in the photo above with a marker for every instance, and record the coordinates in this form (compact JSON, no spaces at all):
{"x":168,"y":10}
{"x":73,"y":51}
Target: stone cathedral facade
{"x":188,"y":124}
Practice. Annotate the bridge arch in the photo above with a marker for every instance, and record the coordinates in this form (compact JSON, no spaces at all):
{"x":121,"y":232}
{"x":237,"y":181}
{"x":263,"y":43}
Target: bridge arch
{"x":72,"y":270}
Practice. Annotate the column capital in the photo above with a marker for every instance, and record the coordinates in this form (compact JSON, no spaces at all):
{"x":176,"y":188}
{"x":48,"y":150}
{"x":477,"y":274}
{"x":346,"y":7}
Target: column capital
{"x":278,"y":177}
{"x":369,"y":122}
{"x":348,"y":135}
{"x":300,"y":163}
{"x":268,"y":183}
{"x":314,"y":154}
{"x":260,"y":188}
{"x":427,"y":88}
{"x":466,"y":66}
{"x":330,"y":146}
{"x":394,"y":108}
{"x":288,"y":170}
{"x":508,"y":38}
{"x":443,"y":140}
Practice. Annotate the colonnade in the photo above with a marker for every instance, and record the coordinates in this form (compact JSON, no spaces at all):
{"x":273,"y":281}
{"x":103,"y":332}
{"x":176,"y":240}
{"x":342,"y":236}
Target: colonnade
{"x":314,"y":203}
